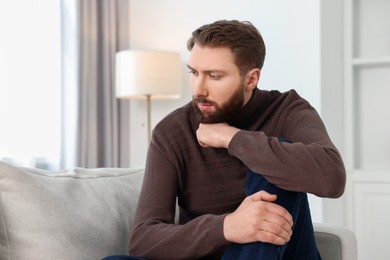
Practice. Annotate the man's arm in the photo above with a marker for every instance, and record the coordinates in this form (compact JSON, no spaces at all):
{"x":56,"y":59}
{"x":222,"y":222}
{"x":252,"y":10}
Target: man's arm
{"x":311,"y":163}
{"x":156,"y":236}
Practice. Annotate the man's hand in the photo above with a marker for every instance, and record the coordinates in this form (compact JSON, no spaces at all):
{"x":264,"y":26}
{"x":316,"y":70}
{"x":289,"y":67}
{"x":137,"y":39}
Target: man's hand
{"x":258,"y":219}
{"x":215,"y":135}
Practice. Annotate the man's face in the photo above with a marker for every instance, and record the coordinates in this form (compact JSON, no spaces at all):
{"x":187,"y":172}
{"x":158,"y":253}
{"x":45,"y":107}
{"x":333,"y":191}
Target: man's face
{"x":217,"y":87}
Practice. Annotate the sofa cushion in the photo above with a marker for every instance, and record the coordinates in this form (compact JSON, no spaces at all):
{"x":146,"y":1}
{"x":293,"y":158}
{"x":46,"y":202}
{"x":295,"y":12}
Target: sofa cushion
{"x":69,"y":214}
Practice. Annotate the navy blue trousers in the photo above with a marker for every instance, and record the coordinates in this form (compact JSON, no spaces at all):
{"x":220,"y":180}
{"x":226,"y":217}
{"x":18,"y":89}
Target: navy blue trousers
{"x":302,"y":245}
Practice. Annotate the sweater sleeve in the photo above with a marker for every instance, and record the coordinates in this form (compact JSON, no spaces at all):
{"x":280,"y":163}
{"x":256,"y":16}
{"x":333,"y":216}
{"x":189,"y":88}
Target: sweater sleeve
{"x":155,"y":234}
{"x":310,"y":163}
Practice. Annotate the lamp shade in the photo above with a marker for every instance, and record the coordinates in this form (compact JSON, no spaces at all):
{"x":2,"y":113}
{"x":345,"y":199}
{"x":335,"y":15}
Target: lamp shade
{"x":156,"y":74}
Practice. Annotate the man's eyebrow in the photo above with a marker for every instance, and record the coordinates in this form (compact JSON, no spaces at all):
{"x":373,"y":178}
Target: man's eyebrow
{"x":188,"y":66}
{"x":206,"y":71}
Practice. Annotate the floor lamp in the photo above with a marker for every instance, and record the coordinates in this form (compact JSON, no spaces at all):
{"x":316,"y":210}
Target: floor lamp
{"x":148,"y":75}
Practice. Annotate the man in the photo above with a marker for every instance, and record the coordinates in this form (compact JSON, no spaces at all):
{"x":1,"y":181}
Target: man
{"x":230,"y":136}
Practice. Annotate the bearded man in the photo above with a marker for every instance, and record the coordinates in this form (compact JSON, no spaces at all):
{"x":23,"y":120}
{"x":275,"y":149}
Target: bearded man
{"x":238,"y":161}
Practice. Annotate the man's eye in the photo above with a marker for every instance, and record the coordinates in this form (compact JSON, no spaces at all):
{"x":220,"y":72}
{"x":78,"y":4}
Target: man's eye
{"x":192,"y":72}
{"x":214,"y":76}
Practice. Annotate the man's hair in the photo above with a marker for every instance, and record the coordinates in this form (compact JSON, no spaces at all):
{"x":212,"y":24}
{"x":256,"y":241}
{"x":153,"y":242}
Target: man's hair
{"x":242,"y":38}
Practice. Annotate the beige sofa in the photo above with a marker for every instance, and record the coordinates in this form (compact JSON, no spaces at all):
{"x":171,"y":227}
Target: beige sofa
{"x":87,"y":214}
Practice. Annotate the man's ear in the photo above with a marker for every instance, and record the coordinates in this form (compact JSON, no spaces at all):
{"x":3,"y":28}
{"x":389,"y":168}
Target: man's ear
{"x":252,"y":79}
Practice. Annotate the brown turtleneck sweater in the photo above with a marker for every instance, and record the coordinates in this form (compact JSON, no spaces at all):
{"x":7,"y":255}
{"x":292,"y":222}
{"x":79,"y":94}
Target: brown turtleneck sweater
{"x":209,"y":182}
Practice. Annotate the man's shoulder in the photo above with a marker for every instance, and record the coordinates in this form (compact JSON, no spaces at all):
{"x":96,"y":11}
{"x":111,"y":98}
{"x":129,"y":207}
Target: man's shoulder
{"x":276,"y":94}
{"x":178,"y":118}
{"x":287,"y":97}
{"x":176,"y":130}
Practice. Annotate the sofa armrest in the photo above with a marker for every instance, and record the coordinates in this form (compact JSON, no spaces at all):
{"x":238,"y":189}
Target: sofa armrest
{"x":335,"y":242}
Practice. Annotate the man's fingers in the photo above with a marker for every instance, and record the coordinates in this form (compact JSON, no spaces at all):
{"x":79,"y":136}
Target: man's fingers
{"x":281,"y":215}
{"x":274,"y":229}
{"x":258,"y":218}
{"x":280,"y":224}
{"x":273,"y":238}
{"x":263,"y":195}
{"x":272,"y":207}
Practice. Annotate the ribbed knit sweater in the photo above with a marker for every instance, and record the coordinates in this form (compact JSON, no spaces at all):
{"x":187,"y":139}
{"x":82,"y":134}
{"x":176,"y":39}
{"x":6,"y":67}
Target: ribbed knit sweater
{"x":209,"y":182}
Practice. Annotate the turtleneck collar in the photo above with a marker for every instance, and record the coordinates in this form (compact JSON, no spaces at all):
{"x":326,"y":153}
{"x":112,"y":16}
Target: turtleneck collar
{"x":243,"y":118}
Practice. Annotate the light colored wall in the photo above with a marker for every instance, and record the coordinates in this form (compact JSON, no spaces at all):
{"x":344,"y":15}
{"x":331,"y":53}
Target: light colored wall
{"x":332,"y":93}
{"x":291,"y":31}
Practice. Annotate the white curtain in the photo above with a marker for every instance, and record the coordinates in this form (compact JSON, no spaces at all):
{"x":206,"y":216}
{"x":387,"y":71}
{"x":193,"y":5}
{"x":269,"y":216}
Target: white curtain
{"x":96,"y":132}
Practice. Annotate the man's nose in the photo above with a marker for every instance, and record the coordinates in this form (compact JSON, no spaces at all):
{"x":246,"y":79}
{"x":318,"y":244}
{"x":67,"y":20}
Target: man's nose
{"x":199,"y":87}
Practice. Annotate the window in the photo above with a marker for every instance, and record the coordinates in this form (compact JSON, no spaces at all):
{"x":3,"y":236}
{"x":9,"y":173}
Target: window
{"x":30,"y":82}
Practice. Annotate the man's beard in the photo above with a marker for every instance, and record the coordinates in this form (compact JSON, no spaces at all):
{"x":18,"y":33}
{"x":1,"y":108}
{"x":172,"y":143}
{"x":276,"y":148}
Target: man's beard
{"x":222,"y":113}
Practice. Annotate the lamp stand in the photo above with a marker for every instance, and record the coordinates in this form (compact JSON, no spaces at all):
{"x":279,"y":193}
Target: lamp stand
{"x":149,"y":116}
